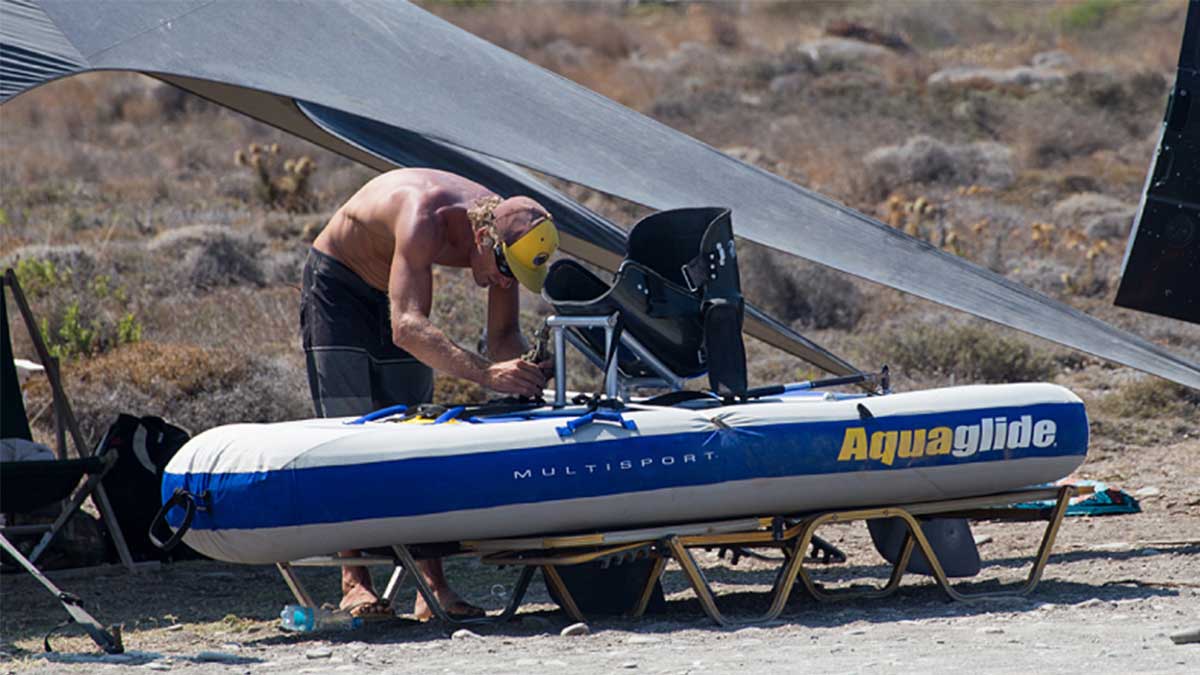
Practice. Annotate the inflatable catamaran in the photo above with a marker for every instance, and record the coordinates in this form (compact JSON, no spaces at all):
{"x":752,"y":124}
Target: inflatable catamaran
{"x":260,"y":493}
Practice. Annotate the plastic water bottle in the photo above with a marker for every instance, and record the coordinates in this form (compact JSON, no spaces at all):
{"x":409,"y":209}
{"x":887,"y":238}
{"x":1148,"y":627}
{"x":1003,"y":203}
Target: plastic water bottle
{"x":302,"y":619}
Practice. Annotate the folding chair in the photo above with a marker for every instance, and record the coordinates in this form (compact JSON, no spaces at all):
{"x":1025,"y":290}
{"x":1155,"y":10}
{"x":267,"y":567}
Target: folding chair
{"x":27,"y":486}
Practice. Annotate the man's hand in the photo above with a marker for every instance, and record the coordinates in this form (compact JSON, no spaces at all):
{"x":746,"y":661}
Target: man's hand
{"x":515,"y":377}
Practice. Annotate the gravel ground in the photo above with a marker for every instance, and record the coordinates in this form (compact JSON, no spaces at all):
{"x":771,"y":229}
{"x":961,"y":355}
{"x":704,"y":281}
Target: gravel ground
{"x":1114,"y":592}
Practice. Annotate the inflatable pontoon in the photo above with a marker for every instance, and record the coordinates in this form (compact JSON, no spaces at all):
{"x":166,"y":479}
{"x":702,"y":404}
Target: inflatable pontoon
{"x":277,"y":492}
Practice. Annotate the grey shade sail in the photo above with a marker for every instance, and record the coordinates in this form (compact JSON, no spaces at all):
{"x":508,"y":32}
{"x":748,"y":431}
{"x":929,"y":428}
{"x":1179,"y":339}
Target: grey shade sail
{"x":1161,"y":270}
{"x":401,"y":66}
{"x":586,"y":233}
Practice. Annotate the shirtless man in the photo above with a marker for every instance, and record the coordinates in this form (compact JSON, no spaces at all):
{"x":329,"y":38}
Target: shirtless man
{"x":366,"y":297}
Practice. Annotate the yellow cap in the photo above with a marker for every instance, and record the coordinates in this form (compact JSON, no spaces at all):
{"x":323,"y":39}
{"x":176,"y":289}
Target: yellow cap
{"x":528,"y":257}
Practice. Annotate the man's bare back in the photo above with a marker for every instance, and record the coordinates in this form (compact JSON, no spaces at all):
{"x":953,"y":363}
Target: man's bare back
{"x":397,"y":227}
{"x":362,"y":234}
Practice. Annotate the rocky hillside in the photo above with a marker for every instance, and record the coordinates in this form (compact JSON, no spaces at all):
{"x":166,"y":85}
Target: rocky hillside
{"x":160,"y":237}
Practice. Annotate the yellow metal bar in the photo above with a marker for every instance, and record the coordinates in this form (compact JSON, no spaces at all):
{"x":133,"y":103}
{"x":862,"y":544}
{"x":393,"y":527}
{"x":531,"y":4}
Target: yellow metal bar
{"x":696,"y":578}
{"x":568,"y":601}
{"x":534,"y":543}
{"x":786,"y":578}
{"x":731,"y":539}
{"x":558,"y":557}
{"x":887,"y":589}
{"x":915,"y":536}
{"x":660,"y":563}
{"x":617,"y":537}
{"x":1039,"y":562}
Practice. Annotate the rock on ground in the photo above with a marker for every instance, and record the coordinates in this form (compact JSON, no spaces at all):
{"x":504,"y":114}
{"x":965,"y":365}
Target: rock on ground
{"x":832,"y":53}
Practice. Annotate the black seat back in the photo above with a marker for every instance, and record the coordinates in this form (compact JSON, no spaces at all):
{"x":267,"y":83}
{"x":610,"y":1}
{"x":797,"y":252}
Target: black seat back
{"x":678,"y":292}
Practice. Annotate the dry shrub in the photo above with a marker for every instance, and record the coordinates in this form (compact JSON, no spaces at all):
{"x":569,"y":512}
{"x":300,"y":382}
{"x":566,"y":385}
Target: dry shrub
{"x":923,"y":159}
{"x":448,"y":389}
{"x":1132,"y":96}
{"x":724,"y":30}
{"x":283,"y":183}
{"x":1094,"y":112}
{"x":207,"y":256}
{"x":194,"y":387}
{"x":1061,"y":136}
{"x":520,"y":30}
{"x":798,"y":292}
{"x":1150,"y":397}
{"x":966,"y":353}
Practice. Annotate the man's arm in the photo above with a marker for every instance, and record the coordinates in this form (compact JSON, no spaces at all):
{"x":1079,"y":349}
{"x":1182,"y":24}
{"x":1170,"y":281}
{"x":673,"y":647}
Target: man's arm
{"x":504,"y":339}
{"x":410,"y":292}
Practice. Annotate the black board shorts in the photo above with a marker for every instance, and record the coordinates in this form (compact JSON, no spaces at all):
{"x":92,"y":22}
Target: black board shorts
{"x":353,"y":365}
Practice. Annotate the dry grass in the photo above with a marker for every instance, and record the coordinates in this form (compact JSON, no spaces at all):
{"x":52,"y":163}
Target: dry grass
{"x":194,"y":387}
{"x":1151,"y":397}
{"x":963,"y":354}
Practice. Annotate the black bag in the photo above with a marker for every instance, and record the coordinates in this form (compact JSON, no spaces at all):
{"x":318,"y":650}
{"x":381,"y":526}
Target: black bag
{"x":609,"y":591}
{"x":134,"y":485}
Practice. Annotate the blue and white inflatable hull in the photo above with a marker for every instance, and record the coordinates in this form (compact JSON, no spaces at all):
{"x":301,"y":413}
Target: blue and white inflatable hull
{"x":277,"y":492}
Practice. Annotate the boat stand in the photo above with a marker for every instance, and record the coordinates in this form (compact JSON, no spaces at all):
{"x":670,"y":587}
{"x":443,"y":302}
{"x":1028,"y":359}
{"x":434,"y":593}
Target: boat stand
{"x":795,"y":536}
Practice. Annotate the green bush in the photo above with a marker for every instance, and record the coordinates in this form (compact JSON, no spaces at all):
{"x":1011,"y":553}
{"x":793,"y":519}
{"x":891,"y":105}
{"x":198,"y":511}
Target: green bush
{"x":1089,"y":14}
{"x":968,"y":353}
{"x":81,"y":315}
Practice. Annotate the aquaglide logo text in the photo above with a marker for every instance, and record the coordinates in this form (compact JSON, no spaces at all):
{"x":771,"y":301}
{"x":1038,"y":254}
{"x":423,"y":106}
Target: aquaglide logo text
{"x":965,"y":440}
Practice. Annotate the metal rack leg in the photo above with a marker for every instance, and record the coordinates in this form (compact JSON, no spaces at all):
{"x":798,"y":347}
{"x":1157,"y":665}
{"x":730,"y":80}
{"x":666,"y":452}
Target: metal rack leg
{"x":898,"y":569}
{"x":554,"y":581}
{"x":660,"y":563}
{"x":399,"y":572}
{"x":410,"y":563}
{"x":1035,"y":573}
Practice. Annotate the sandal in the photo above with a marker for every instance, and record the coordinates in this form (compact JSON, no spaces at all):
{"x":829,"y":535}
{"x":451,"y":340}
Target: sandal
{"x":371,"y":611}
{"x":461,"y":609}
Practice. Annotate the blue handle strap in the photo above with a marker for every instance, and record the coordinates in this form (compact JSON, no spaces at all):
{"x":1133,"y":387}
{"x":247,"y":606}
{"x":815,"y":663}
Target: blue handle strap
{"x":595,"y":416}
{"x":450,"y":414}
{"x":384,"y":412}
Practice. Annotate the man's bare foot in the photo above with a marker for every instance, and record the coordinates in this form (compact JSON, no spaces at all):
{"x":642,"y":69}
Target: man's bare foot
{"x":455,"y":606}
{"x":362,"y":602}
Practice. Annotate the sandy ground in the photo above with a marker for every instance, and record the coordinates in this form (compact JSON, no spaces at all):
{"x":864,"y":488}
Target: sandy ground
{"x":1114,"y":592}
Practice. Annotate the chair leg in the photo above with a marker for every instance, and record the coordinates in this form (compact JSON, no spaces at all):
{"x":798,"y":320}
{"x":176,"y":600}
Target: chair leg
{"x":297,"y":587}
{"x":108,"y":640}
{"x":65,"y":417}
{"x":69,"y":508}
